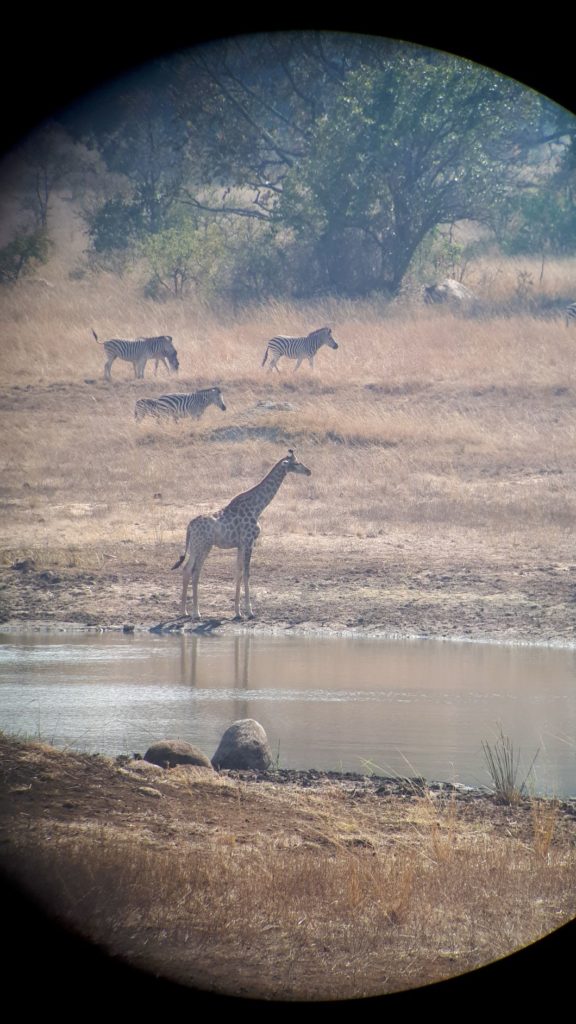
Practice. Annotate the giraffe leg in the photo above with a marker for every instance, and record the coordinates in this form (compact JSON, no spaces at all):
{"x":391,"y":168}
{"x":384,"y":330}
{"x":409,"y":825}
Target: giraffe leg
{"x":186,"y":574}
{"x":192,"y":571}
{"x":246,"y":556}
{"x":197,"y":568}
{"x":239,"y":575}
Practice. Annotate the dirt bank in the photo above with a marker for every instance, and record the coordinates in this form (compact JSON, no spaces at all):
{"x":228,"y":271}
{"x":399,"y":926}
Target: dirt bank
{"x":364,"y":587}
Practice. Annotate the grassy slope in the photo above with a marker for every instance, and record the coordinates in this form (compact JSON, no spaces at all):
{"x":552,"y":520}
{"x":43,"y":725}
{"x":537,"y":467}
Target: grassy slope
{"x":422,"y":420}
{"x":426,"y":431}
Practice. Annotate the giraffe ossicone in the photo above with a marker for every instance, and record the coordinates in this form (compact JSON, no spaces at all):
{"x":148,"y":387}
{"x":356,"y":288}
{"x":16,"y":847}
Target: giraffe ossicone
{"x":235,"y":526}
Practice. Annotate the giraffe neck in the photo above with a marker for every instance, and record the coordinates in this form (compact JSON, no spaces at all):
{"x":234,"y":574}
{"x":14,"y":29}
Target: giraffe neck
{"x":258,"y":497}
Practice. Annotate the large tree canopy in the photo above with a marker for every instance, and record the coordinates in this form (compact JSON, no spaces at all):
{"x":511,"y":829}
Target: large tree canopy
{"x":417,"y":141}
{"x":347,"y":151}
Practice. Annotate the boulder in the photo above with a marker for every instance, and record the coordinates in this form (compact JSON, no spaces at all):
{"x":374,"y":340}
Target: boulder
{"x":169,"y":753}
{"x":448,"y":290}
{"x":243,"y":745}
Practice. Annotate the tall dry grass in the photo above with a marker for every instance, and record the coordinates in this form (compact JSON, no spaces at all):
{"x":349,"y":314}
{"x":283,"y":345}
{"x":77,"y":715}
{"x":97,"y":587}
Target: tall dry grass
{"x":343,"y":899}
{"x":46,"y":328}
{"x":423,"y":421}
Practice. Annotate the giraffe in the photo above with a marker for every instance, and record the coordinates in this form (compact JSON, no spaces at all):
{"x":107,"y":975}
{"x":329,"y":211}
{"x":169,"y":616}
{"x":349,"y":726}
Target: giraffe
{"x":235,"y":526}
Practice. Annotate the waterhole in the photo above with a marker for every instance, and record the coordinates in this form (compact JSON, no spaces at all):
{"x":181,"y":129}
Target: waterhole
{"x":389,"y":707}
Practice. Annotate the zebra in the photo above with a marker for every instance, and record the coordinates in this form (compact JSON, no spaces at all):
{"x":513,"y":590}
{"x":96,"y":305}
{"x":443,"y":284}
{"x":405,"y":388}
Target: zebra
{"x":298,"y":348}
{"x":139,"y":352}
{"x":179,"y":406}
{"x":570,"y":314}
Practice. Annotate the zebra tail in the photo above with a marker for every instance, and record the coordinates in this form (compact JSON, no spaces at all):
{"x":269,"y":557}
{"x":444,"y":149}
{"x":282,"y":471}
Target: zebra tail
{"x":265,"y":355}
{"x":95,"y":335}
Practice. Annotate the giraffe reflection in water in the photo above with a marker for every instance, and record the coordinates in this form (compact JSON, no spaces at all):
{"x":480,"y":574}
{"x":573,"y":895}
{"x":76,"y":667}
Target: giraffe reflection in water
{"x":192,"y":663}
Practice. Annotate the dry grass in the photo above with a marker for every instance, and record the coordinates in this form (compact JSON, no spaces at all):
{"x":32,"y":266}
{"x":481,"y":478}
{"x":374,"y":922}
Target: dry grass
{"x":342,"y":899}
{"x":425,"y":432}
{"x":434,"y":417}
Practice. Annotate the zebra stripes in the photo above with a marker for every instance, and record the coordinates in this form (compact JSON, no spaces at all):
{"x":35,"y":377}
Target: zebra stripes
{"x":139,"y":352}
{"x":570,"y":314}
{"x":179,"y":406}
{"x":298,"y":348}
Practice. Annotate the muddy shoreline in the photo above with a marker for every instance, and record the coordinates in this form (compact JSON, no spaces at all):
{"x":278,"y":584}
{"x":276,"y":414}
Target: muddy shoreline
{"x":221,"y":628}
{"x":358,"y":590}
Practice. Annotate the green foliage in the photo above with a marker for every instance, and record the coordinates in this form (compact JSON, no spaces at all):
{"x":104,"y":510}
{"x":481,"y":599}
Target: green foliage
{"x":116,"y":225}
{"x":407,"y":145}
{"x":23,"y":253}
{"x":149,"y":146}
{"x":317,"y":163}
{"x":543,"y":221}
{"x":236,"y":261}
{"x":186,"y":253}
{"x":255,"y":264}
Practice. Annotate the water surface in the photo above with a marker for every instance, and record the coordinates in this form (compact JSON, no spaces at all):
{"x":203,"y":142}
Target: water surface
{"x":396,"y":707}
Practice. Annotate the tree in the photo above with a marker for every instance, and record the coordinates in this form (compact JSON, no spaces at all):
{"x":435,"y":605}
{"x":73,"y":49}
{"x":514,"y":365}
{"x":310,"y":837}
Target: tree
{"x":116,"y":225}
{"x":350,"y":151}
{"x":144,"y":144}
{"x":419,"y":141}
{"x":542,"y":218}
{"x":187,"y":252}
{"x":41,"y":166}
{"x":21,"y":254}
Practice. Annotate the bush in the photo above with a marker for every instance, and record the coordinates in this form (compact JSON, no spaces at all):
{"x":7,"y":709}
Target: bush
{"x":22,"y":254}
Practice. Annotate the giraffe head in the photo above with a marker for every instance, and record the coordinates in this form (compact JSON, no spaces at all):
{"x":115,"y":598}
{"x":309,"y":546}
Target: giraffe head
{"x":291,"y":464}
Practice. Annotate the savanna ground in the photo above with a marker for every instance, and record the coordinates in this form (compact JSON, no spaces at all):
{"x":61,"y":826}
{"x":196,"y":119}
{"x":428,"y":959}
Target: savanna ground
{"x":283,"y":886}
{"x":441,"y":504}
{"x":442,"y":450}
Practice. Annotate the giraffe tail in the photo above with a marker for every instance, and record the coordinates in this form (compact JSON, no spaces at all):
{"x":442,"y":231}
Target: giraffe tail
{"x":186,"y":547}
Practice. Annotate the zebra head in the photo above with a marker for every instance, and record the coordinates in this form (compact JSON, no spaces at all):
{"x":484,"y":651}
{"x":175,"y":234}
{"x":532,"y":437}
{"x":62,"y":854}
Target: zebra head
{"x":291,"y":465}
{"x":170,"y":353}
{"x":218,"y":400}
{"x":324,"y":335}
